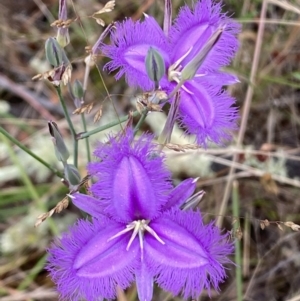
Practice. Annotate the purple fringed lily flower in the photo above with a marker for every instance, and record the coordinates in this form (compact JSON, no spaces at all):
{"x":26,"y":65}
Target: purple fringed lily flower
{"x":138,"y":233}
{"x":205,"y":109}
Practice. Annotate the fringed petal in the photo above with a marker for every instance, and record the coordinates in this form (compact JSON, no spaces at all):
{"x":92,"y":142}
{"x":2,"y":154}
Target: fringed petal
{"x":207,"y":112}
{"x":192,"y":29}
{"x":193,"y":256}
{"x":85,"y":265}
{"x":130,"y":42}
{"x":138,"y":192}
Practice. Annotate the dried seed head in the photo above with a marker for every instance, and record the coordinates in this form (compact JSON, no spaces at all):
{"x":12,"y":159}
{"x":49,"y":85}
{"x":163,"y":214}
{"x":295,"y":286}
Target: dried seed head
{"x":98,"y":114}
{"x":292,"y":225}
{"x":86,"y":108}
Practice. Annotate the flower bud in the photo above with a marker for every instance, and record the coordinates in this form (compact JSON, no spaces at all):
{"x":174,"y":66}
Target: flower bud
{"x":72,"y":175}
{"x":54,"y":52}
{"x":61,"y":150}
{"x":63,"y":37}
{"x":190,"y":70}
{"x":78,"y":89}
{"x":155,"y":65}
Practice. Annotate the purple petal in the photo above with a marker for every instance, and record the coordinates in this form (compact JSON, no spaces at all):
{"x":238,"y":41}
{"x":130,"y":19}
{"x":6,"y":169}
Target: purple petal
{"x":85,"y":265}
{"x":130,"y":43}
{"x":207,"y":112}
{"x":192,"y":257}
{"x":132,"y":179}
{"x":144,"y":283}
{"x":88,"y":204}
{"x":193,"y":27}
{"x":181,"y":193}
{"x":132,"y":191}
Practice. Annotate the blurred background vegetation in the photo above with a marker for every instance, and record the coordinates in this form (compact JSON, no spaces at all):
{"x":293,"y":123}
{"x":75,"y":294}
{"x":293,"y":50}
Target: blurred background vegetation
{"x":263,"y":160}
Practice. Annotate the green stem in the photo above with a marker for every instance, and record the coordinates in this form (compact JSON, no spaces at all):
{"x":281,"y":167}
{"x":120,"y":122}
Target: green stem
{"x":29,"y":152}
{"x":237,"y":255}
{"x":106,"y":126}
{"x":140,"y":122}
{"x":63,"y":104}
{"x":87,"y":139}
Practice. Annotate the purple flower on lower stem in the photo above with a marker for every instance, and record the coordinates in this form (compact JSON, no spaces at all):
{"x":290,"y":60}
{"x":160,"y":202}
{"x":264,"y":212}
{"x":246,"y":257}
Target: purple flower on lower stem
{"x":205,"y":109}
{"x":138,"y":233}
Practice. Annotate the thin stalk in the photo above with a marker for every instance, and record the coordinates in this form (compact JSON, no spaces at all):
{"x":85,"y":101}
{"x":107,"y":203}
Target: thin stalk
{"x":85,"y":83}
{"x":29,"y":152}
{"x":106,"y":126}
{"x":87,"y":144}
{"x":237,"y":255}
{"x":75,"y":141}
{"x":140,"y":122}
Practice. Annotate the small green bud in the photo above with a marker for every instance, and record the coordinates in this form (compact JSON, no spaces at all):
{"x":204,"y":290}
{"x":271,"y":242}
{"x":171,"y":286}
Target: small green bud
{"x":72,"y":175}
{"x":63,"y":37}
{"x":54,"y":53}
{"x":78,"y":89}
{"x":189,"y":71}
{"x":155,"y":65}
{"x":61,"y":150}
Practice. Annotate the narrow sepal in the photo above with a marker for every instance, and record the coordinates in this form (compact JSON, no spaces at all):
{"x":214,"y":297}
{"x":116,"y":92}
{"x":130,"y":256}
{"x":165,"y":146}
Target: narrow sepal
{"x":88,"y":204}
{"x":180,"y":193}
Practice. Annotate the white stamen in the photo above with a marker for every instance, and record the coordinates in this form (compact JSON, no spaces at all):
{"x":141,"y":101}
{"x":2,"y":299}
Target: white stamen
{"x":176,"y":64}
{"x":138,"y":227}
{"x":187,"y":90}
{"x":152,"y":232}
{"x":174,"y":70}
{"x":134,"y":234}
{"x":128,"y":228}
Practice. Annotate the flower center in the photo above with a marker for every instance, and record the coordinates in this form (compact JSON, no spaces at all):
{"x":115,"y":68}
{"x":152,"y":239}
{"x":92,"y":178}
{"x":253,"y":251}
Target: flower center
{"x":174,"y":71}
{"x":138,"y":227}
